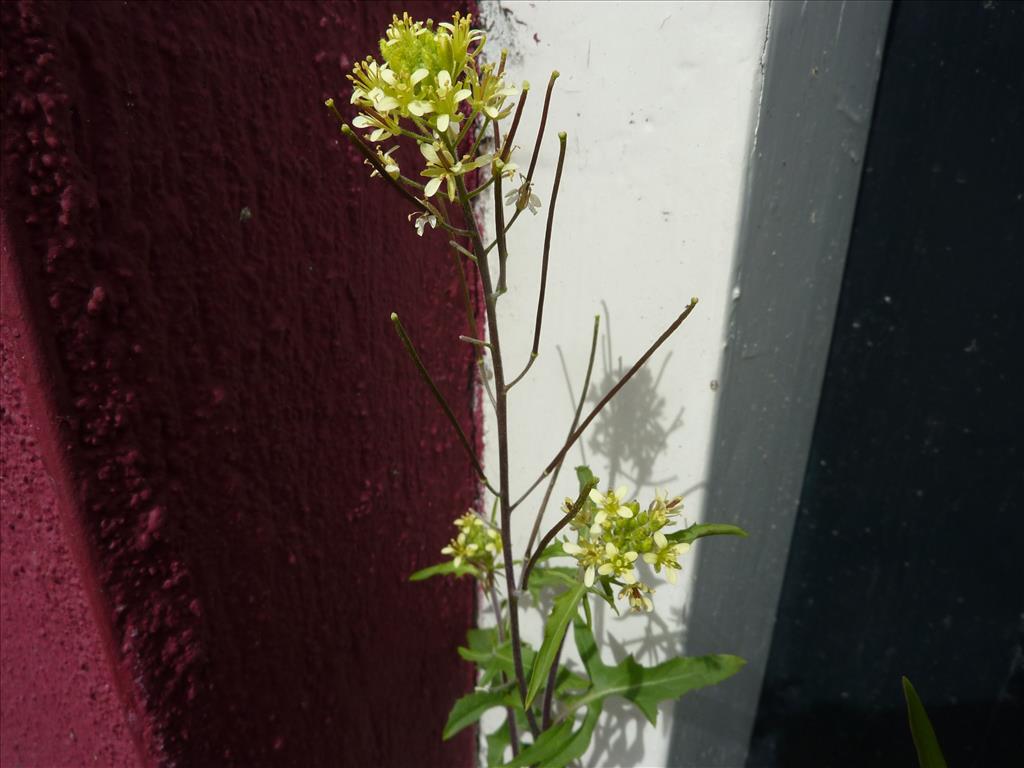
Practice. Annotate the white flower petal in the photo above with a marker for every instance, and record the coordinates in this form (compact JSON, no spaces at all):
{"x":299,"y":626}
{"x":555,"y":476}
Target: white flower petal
{"x":672,"y":575}
{"x":420,"y":108}
{"x":588,"y":577}
{"x":651,"y":558}
{"x":418,"y":75}
{"x":571,"y":549}
{"x":428,"y":151}
{"x":444,"y":79}
{"x":442,"y":122}
{"x":432,"y":186}
{"x":610,"y":549}
{"x":660,"y":540}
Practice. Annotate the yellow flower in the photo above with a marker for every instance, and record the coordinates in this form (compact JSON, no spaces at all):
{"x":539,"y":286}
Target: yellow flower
{"x":441,"y":166}
{"x":666,"y":556}
{"x":637,"y":593}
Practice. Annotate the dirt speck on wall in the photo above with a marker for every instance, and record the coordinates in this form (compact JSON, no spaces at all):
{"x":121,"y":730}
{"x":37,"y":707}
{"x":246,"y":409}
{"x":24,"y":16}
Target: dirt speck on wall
{"x":248,"y":465}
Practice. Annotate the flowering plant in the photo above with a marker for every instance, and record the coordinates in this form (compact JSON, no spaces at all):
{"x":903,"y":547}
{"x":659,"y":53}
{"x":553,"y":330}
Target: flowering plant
{"x":434,"y":88}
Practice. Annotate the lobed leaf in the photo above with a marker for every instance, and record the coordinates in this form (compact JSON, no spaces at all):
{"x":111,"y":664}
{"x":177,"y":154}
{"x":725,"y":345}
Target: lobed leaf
{"x":700,"y":530}
{"x":585,"y":476}
{"x":647,"y":687}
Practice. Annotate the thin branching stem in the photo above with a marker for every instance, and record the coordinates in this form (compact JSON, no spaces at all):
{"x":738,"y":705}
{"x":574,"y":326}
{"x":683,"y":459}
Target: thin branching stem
{"x":606,"y":399}
{"x":549,"y":691}
{"x":506,"y":148}
{"x":535,"y":350}
{"x":499,"y":220}
{"x":470,"y":315}
{"x":572,"y":428}
{"x":513,"y":734}
{"x":550,"y":535}
{"x":501,"y":413}
{"x":404,"y":336}
{"x":534,"y":157}
{"x":420,"y":205}
{"x":543,"y":123}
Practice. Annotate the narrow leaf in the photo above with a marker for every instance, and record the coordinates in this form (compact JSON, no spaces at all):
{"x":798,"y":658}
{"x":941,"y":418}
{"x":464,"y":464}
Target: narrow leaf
{"x":554,"y":630}
{"x":562,"y":747}
{"x":469,"y":709}
{"x":443,"y":569}
{"x":700,"y":530}
{"x":929,"y":755}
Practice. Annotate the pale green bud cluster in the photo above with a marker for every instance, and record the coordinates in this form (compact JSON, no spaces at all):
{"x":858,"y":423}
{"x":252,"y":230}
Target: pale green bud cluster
{"x":612,"y":534}
{"x":477,"y":544}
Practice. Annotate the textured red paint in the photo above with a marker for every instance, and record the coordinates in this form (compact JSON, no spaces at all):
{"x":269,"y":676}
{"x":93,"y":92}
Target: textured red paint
{"x":58,"y":706}
{"x":248,"y":464}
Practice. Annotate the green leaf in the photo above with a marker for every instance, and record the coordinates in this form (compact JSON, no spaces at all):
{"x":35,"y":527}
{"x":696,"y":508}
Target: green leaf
{"x":469,"y":709}
{"x":497,"y":743}
{"x":567,"y":681}
{"x":554,"y":630}
{"x":551,"y":550}
{"x":647,"y":686}
{"x":444,"y":569}
{"x":929,"y":755}
{"x":560,"y":745}
{"x":553,"y":577}
{"x":585,"y":476}
{"x":491,"y":657}
{"x":700,"y":530}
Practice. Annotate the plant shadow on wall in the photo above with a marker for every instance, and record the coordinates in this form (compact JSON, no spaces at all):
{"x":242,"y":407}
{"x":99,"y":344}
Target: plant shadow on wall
{"x":629,"y":436}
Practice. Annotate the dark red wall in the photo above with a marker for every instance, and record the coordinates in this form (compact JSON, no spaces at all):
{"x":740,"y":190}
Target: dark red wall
{"x":247,"y":466}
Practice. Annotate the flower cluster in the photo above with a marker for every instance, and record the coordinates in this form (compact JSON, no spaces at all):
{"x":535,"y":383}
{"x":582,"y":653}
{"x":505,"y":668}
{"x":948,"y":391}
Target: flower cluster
{"x":613,"y":533}
{"x":477,"y":544}
{"x":428,"y":82}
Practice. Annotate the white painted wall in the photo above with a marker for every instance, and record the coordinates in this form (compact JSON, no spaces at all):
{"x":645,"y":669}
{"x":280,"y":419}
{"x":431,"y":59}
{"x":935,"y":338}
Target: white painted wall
{"x":660,"y":104}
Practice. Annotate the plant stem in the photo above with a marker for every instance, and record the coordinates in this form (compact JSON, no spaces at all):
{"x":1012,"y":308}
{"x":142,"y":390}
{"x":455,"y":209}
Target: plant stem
{"x":513,"y":734}
{"x":549,"y":691}
{"x":535,"y":350}
{"x":506,"y":148}
{"x":404,"y":336}
{"x":606,"y":399}
{"x":572,"y":428}
{"x":501,"y":410}
{"x":573,"y":511}
{"x":497,"y":169}
{"x":420,"y":205}
{"x":543,"y":123}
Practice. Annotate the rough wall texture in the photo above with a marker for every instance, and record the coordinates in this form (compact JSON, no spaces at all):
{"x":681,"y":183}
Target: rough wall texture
{"x":246,"y":462}
{"x":59,"y":704}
